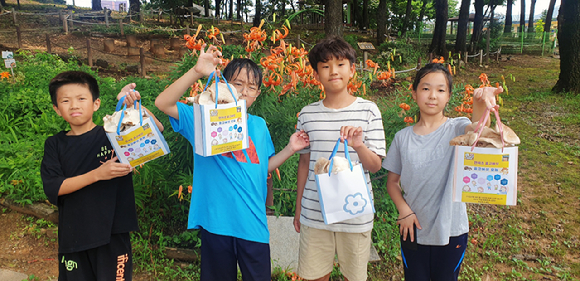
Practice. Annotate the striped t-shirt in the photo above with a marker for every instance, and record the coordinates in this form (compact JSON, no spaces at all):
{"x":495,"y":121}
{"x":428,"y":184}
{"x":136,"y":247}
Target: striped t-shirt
{"x":323,"y":125}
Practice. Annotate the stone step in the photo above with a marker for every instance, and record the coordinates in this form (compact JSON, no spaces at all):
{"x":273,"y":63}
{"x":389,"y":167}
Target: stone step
{"x":7,"y":275}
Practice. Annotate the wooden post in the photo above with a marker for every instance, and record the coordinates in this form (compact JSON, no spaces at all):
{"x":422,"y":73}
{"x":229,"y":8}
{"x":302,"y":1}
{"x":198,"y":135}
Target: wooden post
{"x":191,"y":18}
{"x":65,"y":23}
{"x":19,"y":36}
{"x":481,"y":57}
{"x":419,"y":64}
{"x":298,"y":41}
{"x":141,"y":16}
{"x":430,"y":57}
{"x":14,"y":16}
{"x":89,"y":52}
{"x":465,"y":57}
{"x":106,"y":17}
{"x":187,"y":31}
{"x":70,"y":16}
{"x":121,"y":27}
{"x":498,"y":54}
{"x":365,"y":57}
{"x":60,"y":17}
{"x":142,"y":58}
{"x":48,"y":47}
{"x":158,"y":16}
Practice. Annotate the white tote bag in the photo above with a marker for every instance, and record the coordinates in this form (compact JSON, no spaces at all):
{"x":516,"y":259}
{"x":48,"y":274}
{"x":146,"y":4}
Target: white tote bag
{"x":344,"y":195}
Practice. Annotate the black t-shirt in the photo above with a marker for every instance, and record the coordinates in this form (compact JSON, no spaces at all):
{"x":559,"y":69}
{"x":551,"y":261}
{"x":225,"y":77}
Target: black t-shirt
{"x":88,"y":216}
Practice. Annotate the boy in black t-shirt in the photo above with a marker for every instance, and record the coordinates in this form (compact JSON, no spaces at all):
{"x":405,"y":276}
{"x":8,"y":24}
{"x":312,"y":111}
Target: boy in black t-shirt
{"x":93,"y":192}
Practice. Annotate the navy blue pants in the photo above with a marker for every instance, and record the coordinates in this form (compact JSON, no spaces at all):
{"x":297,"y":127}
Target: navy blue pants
{"x":435,"y":263}
{"x":220,"y":256}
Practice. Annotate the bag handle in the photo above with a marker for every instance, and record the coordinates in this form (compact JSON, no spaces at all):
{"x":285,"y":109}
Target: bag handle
{"x":217,"y":80}
{"x":346,"y":155}
{"x":483,"y":120}
{"x":118,"y":107}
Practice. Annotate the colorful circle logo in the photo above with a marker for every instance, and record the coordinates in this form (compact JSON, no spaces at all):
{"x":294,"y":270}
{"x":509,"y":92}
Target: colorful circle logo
{"x":496,"y":177}
{"x":474,"y":176}
{"x":239,"y":129}
{"x":142,"y":145}
{"x":219,"y":129}
{"x":127,"y":153}
{"x":213,"y":134}
{"x":466,"y":179}
{"x":147,"y":141}
{"x":153,"y":141}
{"x":504,"y":182}
{"x":490,"y":178}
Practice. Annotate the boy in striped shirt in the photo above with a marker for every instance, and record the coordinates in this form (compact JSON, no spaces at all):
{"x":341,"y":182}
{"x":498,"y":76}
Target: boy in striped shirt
{"x":359,"y":122}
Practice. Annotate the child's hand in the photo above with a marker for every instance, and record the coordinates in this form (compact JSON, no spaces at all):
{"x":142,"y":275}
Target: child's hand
{"x":406,"y":223}
{"x":113,"y":169}
{"x":487,"y":95}
{"x":298,"y":141}
{"x":353,"y":135}
{"x":208,"y":60}
{"x":131,"y":97}
{"x":127,"y":89}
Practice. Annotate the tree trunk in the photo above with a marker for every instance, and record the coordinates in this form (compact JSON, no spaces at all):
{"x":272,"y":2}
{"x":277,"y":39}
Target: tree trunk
{"x":333,"y":18}
{"x":508,"y":17}
{"x":283,"y":9}
{"x":462,"y":26}
{"x":569,"y":39}
{"x":422,"y":15}
{"x":217,"y":8}
{"x":438,"y":43}
{"x":258,"y":16}
{"x":206,"y":8}
{"x":523,"y":17}
{"x":548,"y":24}
{"x":97,"y":5}
{"x":531,"y":28}
{"x":477,"y":23}
{"x":239,"y":9}
{"x":406,"y":20}
{"x":381,"y":22}
{"x":365,"y":14}
{"x":355,"y":12}
{"x":231,"y":14}
{"x":134,"y":7}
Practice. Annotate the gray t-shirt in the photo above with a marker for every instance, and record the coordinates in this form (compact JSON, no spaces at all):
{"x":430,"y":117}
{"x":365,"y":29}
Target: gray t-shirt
{"x":424,"y":164}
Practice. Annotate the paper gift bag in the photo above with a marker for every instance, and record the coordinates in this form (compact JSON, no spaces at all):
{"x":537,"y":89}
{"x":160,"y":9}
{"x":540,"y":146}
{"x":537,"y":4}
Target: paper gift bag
{"x":344,"y":195}
{"x":220,"y":128}
{"x":485,"y":175}
{"x":137,"y":144}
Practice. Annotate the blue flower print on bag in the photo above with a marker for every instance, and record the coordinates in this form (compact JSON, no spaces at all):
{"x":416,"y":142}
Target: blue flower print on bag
{"x":355,"y":203}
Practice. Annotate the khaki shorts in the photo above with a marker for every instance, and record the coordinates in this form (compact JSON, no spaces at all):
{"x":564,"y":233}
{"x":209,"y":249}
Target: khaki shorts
{"x":318,"y":248}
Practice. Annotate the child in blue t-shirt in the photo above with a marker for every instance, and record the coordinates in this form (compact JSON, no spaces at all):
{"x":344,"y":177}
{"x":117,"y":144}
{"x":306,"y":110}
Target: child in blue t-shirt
{"x":229,"y":190}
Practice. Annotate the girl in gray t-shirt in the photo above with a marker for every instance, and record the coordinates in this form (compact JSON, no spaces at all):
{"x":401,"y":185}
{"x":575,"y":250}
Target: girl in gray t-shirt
{"x":433,"y":228}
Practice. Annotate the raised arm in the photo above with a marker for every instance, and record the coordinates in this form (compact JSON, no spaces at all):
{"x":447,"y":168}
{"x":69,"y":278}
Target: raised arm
{"x":206,"y":64}
{"x":131,"y":96}
{"x":483,"y":98}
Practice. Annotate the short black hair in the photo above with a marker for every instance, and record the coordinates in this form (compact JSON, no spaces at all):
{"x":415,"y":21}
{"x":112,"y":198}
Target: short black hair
{"x":332,"y":47}
{"x":431,"y":68}
{"x":73,"y":77}
{"x":252,"y":70}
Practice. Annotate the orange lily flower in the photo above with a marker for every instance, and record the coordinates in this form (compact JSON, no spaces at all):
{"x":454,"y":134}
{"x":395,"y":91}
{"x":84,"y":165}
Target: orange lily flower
{"x":4,"y":75}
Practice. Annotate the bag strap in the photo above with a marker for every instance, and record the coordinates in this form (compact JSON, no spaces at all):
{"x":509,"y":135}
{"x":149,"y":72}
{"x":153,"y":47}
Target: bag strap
{"x":215,"y":76}
{"x":121,"y":103}
{"x":346,"y":155}
{"x":483,"y":120}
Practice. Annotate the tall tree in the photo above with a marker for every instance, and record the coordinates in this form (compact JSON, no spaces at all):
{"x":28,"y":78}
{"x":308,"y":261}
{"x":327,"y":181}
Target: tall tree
{"x":548,"y":24}
{"x":422,"y":15}
{"x":206,"y":7}
{"x":462,"y":26}
{"x":477,"y":23}
{"x":217,"y":8}
{"x":258,"y":15}
{"x":531,"y":28}
{"x":239,"y":9}
{"x":438,"y":43}
{"x":333,"y":18}
{"x":355,"y":18}
{"x":2,"y":4}
{"x":97,"y":5}
{"x":569,"y":39}
{"x":365,"y":14}
{"x":407,"y":17}
{"x":508,"y":17}
{"x":381,"y":22}
{"x":523,"y":16}
{"x":231,"y":14}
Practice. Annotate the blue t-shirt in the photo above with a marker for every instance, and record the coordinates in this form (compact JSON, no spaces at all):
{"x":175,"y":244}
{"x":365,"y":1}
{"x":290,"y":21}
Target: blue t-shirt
{"x":229,"y":191}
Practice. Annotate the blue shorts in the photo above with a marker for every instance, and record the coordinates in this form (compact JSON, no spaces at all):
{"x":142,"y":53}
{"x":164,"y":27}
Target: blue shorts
{"x":112,"y":261}
{"x":435,"y":263}
{"x":220,"y":256}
